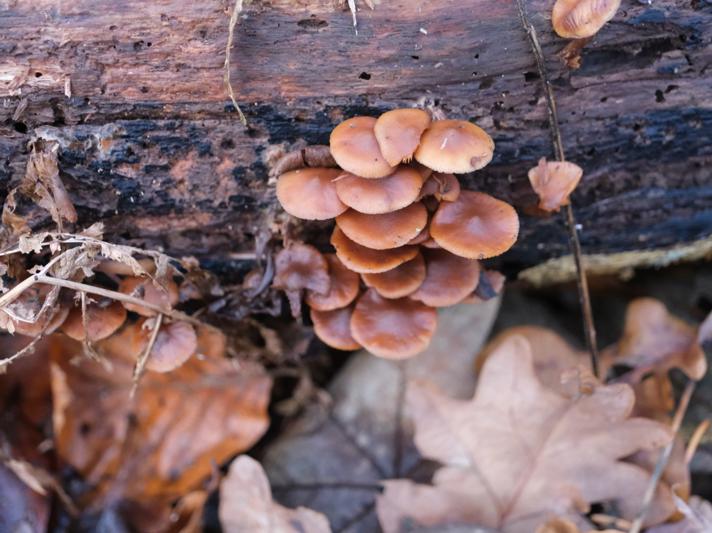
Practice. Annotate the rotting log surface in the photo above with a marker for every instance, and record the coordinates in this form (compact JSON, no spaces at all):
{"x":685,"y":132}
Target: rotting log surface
{"x":133,"y":91}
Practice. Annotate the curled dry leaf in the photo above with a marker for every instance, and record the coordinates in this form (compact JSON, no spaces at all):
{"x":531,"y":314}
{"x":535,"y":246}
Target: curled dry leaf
{"x":578,"y":19}
{"x":655,"y":341}
{"x":246,"y":504}
{"x":554,"y":181}
{"x":513,"y":455}
{"x":139,"y":451}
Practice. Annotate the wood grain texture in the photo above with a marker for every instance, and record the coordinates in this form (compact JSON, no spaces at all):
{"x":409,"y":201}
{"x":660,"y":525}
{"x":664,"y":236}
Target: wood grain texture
{"x":133,"y":92}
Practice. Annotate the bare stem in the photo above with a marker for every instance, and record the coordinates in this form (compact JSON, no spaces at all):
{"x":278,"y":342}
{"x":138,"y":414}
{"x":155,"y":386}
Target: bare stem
{"x":236,"y":10}
{"x":143,"y":358}
{"x":664,"y":457}
{"x":575,"y":244}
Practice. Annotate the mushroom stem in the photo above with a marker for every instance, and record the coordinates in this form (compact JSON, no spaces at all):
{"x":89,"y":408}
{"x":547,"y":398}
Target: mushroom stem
{"x":582,"y":282}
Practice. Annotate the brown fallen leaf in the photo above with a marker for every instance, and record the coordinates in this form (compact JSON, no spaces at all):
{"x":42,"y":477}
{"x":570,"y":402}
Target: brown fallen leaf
{"x":655,"y":341}
{"x":518,"y":454}
{"x":246,"y":505}
{"x":165,"y":443}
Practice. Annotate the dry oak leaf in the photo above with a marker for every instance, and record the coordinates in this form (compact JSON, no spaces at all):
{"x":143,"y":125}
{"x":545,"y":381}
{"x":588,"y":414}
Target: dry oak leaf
{"x":655,"y":341}
{"x":246,"y":505}
{"x":166,"y":442}
{"x":519,"y":454}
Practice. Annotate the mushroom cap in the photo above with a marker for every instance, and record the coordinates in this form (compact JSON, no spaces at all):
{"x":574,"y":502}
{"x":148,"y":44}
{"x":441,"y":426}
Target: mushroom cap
{"x":145,"y":289}
{"x":449,"y":279}
{"x":554,"y":181}
{"x":384,"y":195}
{"x":398,"y":133}
{"x":342,"y":290}
{"x":334,"y":328}
{"x":175,"y":343}
{"x":355,"y":148}
{"x":476,"y":226}
{"x":443,"y":187}
{"x":301,"y":266}
{"x":365,"y":260}
{"x":430,"y":243}
{"x":23,"y":316}
{"x":399,"y":282}
{"x":491,"y":284}
{"x":394,"y":329}
{"x":578,"y":19}
{"x":386,"y":231}
{"x":310,"y":193}
{"x":421,"y":237}
{"x":103,"y":319}
{"x":455,"y":146}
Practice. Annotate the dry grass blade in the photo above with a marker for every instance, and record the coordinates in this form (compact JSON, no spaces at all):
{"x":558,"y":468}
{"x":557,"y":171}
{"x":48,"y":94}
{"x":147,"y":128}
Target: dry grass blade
{"x":143,"y":359}
{"x":237,"y":9}
{"x":695,"y":440}
{"x":664,"y":457}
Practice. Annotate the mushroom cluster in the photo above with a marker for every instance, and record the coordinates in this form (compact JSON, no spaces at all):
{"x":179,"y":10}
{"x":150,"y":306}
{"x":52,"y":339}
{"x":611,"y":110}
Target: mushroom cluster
{"x":407,"y":238}
{"x":100,"y":319}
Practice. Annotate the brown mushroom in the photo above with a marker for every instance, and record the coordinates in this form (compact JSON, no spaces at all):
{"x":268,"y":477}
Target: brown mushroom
{"x":491,"y":285}
{"x":334,"y":328}
{"x":164,"y":296}
{"x":27,"y":315}
{"x":398,"y":133}
{"x":579,"y":19}
{"x":554,"y":181}
{"x":394,"y":329}
{"x":386,"y":231}
{"x":443,"y":187}
{"x":476,"y":226}
{"x":365,"y":260}
{"x":455,"y":146}
{"x":399,"y":282}
{"x":310,"y":193}
{"x":449,"y":279}
{"x":298,"y":267}
{"x":102,"y":319}
{"x":355,"y":148}
{"x":175,"y":343}
{"x":384,"y":195}
{"x":343,"y":288}
{"x":421,"y":237}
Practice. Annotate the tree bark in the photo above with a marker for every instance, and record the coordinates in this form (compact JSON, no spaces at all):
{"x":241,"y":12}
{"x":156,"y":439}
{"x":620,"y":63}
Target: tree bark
{"x":133,"y":93}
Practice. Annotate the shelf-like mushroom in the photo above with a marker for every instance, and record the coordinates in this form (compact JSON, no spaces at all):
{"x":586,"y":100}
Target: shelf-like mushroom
{"x":476,"y":226}
{"x":394,"y":329}
{"x":310,"y":193}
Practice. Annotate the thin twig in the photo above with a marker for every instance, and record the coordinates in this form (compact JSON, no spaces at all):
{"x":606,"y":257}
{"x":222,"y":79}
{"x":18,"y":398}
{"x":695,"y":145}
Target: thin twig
{"x":236,"y":10}
{"x":664,"y":457}
{"x":24,"y":351}
{"x":695,"y":440}
{"x":86,"y":344}
{"x":584,"y":296}
{"x":143,"y":358}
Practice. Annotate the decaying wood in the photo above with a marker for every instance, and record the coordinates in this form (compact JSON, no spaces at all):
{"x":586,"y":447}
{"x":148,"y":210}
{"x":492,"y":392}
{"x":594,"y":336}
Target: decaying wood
{"x":149,"y":142}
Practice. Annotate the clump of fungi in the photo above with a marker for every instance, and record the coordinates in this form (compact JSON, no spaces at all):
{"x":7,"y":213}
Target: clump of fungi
{"x":407,"y":238}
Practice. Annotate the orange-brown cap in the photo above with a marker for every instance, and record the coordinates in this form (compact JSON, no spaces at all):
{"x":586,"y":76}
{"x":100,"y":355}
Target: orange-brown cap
{"x":166,"y":296}
{"x":476,"y":226}
{"x":455,"y":146}
{"x":399,"y":282}
{"x":103,"y":318}
{"x":443,"y":187}
{"x":398,"y":133}
{"x":554,"y":181}
{"x":384,"y":195}
{"x":578,"y":19}
{"x":342,"y":291}
{"x":334,"y":328}
{"x":394,"y":329}
{"x":430,"y":243}
{"x":386,"y":231}
{"x":355,"y":148}
{"x":301,"y":266}
{"x":449,"y":278}
{"x":491,"y":284}
{"x":421,"y":237}
{"x":365,"y":260}
{"x":310,"y":193}
{"x":175,"y":343}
